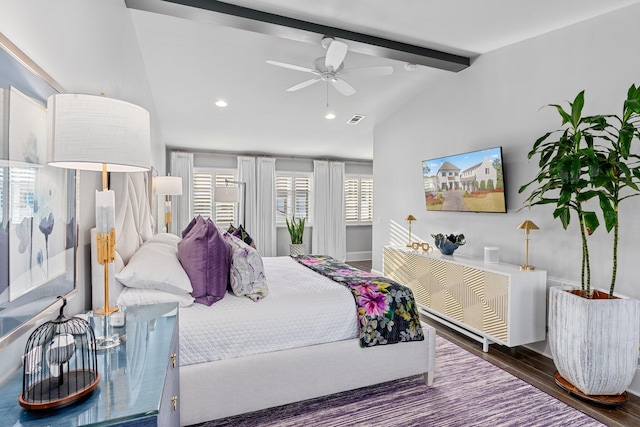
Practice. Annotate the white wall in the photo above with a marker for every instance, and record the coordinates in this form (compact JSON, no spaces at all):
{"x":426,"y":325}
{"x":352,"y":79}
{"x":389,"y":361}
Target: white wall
{"x":497,"y":102}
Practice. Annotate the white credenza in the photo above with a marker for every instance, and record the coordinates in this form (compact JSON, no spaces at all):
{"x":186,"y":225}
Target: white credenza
{"x":492,"y":303}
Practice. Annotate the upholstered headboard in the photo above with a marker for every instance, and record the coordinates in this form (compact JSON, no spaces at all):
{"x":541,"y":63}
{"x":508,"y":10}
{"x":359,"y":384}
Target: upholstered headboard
{"x":133,"y":228}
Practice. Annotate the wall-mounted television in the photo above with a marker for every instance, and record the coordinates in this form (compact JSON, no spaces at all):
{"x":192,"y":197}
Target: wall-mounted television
{"x":467,"y":182}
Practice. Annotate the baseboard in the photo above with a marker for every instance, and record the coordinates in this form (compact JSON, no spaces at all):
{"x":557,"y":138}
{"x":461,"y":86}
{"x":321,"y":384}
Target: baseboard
{"x":359,"y":256}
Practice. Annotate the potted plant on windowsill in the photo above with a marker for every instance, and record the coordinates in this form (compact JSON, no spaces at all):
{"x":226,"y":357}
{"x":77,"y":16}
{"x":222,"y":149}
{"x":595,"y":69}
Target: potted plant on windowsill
{"x":593,"y":336}
{"x":296,"y":232}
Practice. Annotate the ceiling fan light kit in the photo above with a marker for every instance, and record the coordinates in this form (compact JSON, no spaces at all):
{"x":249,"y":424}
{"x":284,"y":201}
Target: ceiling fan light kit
{"x":330,"y":67}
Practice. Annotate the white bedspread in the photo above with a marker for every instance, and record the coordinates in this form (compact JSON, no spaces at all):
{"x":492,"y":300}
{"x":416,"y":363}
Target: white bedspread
{"x":303,"y":308}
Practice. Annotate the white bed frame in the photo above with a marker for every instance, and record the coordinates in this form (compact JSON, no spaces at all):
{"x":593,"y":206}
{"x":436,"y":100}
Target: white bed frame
{"x":224,"y":388}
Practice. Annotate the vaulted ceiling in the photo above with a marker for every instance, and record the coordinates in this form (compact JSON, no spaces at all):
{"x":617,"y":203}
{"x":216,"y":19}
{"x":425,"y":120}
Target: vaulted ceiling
{"x":195,"y":52}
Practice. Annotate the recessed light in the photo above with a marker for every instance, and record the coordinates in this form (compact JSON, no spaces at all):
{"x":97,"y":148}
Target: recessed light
{"x":330,"y":116}
{"x":221,"y":103}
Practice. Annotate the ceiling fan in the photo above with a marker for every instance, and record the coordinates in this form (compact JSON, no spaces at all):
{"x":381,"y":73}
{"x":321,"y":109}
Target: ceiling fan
{"x":330,"y":68}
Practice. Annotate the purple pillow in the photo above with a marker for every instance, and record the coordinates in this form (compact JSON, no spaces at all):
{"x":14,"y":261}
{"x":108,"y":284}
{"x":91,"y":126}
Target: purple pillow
{"x":205,"y":257}
{"x":196,"y":220}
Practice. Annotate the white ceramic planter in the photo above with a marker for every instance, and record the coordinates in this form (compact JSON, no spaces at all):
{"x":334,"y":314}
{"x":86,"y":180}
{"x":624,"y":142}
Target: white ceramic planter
{"x":297,"y":249}
{"x":594,"y":342}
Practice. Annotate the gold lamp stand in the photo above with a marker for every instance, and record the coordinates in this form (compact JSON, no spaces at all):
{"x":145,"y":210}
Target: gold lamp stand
{"x":409,"y":219}
{"x":105,"y":237}
{"x":526,"y":226}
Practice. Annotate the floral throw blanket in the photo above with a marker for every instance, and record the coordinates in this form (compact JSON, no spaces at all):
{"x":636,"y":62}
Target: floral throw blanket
{"x":387,"y":311}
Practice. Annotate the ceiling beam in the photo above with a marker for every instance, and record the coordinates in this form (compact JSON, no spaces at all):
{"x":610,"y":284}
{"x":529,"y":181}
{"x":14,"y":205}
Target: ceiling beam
{"x":219,"y":13}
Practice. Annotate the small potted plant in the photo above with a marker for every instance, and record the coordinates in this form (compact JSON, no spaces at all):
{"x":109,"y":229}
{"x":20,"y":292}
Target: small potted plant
{"x":296,"y":231}
{"x":593,"y":335}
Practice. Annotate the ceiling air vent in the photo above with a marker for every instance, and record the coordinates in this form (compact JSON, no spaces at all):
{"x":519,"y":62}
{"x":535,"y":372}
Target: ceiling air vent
{"x":355,"y":119}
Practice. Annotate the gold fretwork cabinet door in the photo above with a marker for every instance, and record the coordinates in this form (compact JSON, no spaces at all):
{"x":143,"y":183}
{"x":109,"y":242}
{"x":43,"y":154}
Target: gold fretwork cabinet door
{"x":498,"y":302}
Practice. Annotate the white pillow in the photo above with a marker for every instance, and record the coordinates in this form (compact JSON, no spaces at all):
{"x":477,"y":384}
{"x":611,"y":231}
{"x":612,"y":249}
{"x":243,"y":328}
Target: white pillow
{"x":246,"y":273}
{"x":156,"y":266}
{"x":167,"y":238}
{"x":133,"y":296}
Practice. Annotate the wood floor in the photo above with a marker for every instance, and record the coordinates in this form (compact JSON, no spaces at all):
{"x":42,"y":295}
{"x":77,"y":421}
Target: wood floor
{"x":537,"y":370}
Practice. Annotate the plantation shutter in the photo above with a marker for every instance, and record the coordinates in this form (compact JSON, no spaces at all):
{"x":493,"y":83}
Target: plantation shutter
{"x":351,"y":200}
{"x":302,"y":191}
{"x":283,"y":197}
{"x":202,"y":194}
{"x":366,"y":199}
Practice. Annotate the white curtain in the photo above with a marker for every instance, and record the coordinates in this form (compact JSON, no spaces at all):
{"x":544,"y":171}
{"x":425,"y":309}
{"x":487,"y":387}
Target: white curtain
{"x":329,"y":227}
{"x":247,"y":174}
{"x":181,"y":206}
{"x":265,"y":185}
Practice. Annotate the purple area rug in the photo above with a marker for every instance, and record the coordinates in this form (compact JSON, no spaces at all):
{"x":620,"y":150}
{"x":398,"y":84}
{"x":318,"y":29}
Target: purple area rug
{"x":467,"y":391}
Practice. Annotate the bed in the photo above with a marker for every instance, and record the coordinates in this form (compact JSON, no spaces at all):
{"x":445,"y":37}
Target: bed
{"x":278,"y":357}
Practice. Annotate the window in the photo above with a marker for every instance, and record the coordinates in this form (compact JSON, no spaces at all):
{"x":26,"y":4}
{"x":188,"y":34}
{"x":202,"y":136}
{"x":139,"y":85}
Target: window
{"x":358,"y":199}
{"x":293,"y":196}
{"x":204,"y":183}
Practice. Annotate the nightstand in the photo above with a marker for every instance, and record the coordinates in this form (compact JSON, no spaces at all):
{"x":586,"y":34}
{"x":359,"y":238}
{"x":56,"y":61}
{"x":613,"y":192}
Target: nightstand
{"x":139,"y":382}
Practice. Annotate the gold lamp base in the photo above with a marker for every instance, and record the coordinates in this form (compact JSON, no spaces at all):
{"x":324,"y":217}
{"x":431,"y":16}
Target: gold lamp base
{"x":104,"y":311}
{"x":527,"y":267}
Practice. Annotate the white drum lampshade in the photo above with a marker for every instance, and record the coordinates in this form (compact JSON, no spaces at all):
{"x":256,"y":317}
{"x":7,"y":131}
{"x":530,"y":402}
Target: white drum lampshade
{"x":168,"y":185}
{"x":226,"y":195}
{"x":87,"y":131}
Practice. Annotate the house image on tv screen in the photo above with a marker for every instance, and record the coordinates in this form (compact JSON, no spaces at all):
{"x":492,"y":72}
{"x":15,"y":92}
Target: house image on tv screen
{"x":479,"y":176}
{"x":465,"y":182}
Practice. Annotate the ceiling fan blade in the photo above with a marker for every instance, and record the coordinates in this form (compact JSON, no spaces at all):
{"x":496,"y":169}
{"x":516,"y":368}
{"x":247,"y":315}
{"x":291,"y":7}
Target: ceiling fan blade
{"x":377,"y":71}
{"x":303,"y":84}
{"x":343,"y":87}
{"x":291,"y":66}
{"x":335,"y":55}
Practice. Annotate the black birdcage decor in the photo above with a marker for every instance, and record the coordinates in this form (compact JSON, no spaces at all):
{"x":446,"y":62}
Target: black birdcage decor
{"x":60,"y":364}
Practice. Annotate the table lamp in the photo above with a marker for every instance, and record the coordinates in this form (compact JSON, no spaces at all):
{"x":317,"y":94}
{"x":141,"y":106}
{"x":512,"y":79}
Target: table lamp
{"x":96,"y":133}
{"x":409,"y":219}
{"x":526,"y":226}
{"x":168,"y":186}
{"x":228,"y":194}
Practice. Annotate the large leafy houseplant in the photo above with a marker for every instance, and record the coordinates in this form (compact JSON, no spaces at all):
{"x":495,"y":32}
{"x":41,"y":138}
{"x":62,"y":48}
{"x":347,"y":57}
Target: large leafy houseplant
{"x":587,"y":168}
{"x":591,"y":158}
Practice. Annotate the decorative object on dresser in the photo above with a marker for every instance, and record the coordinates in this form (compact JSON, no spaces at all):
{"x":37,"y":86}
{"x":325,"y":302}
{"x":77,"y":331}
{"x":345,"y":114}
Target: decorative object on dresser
{"x":410,"y":218}
{"x":590,"y":161}
{"x":527,"y":225}
{"x":488,"y":302}
{"x":60,"y":364}
{"x":296,"y":232}
{"x":168,"y":186}
{"x":424,"y":245}
{"x":447,"y":244}
{"x":97,"y":133}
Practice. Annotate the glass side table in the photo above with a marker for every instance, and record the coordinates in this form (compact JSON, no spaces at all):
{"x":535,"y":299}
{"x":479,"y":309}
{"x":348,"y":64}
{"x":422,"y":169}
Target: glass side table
{"x":139,"y":382}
